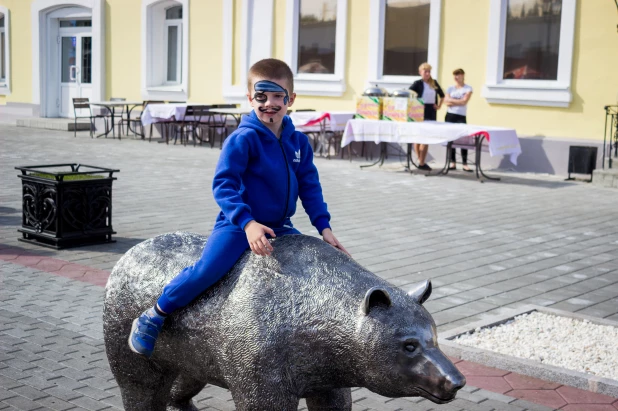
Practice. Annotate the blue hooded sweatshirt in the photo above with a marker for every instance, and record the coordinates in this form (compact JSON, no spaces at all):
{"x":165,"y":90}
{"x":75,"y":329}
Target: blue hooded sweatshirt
{"x":259,"y":177}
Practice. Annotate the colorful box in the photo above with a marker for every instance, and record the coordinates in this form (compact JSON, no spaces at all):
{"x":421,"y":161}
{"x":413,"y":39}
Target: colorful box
{"x":369,"y":108}
{"x":403,"y":109}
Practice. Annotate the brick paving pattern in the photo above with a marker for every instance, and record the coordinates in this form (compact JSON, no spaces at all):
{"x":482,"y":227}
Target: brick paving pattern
{"x":487,"y":248}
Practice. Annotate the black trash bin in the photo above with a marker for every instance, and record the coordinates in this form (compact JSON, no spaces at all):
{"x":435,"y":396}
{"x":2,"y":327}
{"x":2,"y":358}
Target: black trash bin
{"x":582,"y":160}
{"x":66,"y":205}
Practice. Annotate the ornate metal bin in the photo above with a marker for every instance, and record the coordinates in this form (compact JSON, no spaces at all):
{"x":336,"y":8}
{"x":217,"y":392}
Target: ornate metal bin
{"x":66,"y":205}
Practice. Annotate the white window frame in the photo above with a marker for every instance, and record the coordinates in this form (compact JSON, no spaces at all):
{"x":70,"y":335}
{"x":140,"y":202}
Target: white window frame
{"x":549,"y":93}
{"x":255,"y":43}
{"x":178,"y":24}
{"x":154,"y":31}
{"x":5,"y":83}
{"x":377,"y":13}
{"x":316,"y":84}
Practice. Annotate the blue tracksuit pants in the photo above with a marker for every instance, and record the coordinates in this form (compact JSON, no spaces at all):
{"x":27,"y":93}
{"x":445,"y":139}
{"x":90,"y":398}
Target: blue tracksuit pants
{"x":222,"y":250}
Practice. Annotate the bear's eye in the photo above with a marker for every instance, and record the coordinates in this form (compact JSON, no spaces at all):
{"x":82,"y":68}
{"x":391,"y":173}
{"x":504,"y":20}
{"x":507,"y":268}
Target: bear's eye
{"x":410,"y":347}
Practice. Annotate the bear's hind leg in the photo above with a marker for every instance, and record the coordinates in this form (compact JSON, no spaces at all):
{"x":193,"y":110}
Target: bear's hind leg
{"x":333,"y":400}
{"x":151,"y":392}
{"x":183,"y":390}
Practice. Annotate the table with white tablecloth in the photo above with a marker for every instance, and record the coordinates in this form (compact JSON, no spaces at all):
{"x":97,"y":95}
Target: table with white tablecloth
{"x":498,"y":140}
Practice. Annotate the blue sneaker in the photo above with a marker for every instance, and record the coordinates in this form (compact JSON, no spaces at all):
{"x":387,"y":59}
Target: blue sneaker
{"x":145,"y":331}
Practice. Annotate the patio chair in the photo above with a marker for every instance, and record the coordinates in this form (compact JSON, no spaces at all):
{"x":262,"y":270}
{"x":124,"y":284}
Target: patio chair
{"x":201,"y":117}
{"x":314,"y":135}
{"x":189,"y":125}
{"x":83,"y":103}
{"x":116,"y":116}
{"x":218,"y":122}
{"x":136,"y":120}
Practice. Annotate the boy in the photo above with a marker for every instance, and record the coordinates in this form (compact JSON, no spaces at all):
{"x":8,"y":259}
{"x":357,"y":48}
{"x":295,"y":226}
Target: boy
{"x":265,"y":166}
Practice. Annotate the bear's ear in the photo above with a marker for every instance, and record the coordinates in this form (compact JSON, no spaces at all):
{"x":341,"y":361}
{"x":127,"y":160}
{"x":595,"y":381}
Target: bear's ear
{"x":421,"y":292}
{"x":374,"y":297}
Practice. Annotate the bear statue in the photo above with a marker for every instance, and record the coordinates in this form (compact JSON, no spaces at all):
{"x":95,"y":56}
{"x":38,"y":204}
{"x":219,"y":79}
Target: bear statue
{"x":305,"y":322}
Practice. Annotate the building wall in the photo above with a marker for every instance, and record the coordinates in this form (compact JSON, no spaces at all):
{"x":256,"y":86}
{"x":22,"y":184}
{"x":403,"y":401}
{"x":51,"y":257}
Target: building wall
{"x":594,"y":84}
{"x":463,"y":43}
{"x":20,"y":49}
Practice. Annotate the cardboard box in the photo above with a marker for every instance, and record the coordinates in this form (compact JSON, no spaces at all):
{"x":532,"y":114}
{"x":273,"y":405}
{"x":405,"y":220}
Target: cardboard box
{"x":369,"y":108}
{"x":403,"y":109}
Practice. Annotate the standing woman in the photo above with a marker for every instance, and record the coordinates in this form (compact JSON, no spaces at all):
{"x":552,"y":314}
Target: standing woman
{"x":456,"y":100}
{"x":429,"y":90}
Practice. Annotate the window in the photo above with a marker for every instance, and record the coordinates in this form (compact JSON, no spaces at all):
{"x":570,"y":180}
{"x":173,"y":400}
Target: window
{"x":402,"y":35}
{"x":173,"y":30}
{"x":164,"y":57}
{"x":532,"y":39}
{"x":406,"y":37}
{"x":75,"y":23}
{"x":315,"y":45}
{"x":530,"y":52}
{"x":317,"y":34}
{"x":4,"y":51}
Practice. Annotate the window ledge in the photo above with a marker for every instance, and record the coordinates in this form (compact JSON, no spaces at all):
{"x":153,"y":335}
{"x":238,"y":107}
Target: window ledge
{"x":166,"y":88}
{"x":330,"y":87}
{"x":175,"y":92}
{"x":528,"y":95}
{"x":393,"y":84}
{"x":4,"y":89}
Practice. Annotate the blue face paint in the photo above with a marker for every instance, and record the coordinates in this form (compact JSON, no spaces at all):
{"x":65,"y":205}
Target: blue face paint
{"x":265,"y":85}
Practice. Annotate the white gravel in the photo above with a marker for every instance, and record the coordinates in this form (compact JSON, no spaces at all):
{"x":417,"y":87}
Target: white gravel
{"x":560,"y":341}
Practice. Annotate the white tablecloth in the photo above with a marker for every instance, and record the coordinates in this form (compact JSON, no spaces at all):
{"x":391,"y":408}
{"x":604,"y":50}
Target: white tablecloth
{"x":154,"y":113}
{"x":336,"y":122}
{"x":501,"y":141}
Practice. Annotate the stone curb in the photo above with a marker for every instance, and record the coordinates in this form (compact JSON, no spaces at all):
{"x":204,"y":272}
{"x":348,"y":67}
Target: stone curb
{"x":524,"y":366}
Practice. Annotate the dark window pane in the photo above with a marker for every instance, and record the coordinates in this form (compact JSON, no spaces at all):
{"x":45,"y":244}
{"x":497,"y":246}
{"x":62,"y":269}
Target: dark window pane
{"x":172,"y":52}
{"x":75,"y":23}
{"x":532,"y":39}
{"x":173,"y":13}
{"x":1,"y":21}
{"x":87,"y":60}
{"x":317,"y":36}
{"x":68,"y":59}
{"x":2,"y":58}
{"x":406,"y":36}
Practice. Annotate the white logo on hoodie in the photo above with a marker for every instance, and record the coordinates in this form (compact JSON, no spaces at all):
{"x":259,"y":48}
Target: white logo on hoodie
{"x":297,"y":159}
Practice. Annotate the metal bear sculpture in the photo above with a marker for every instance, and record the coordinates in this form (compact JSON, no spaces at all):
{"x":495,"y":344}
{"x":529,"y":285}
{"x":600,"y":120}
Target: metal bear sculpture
{"x":306,"y":322}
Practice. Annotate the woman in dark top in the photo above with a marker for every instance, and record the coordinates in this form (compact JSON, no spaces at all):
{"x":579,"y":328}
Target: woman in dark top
{"x":427,"y":89}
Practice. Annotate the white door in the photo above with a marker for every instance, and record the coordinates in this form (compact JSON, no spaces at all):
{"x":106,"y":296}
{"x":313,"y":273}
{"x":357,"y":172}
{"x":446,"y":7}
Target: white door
{"x":75,"y":70}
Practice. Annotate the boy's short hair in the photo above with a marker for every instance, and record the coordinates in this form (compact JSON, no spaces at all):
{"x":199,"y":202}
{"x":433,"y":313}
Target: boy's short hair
{"x":458,"y":71}
{"x":271,"y":69}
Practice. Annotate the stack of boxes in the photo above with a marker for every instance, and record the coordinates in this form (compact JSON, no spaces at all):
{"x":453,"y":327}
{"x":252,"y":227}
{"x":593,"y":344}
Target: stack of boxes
{"x":390,"y":108}
{"x":403,"y":109}
{"x":369,"y":107}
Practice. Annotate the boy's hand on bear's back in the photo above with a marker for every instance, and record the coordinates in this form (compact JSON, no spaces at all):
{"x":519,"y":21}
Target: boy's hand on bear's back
{"x":329,"y":237}
{"x":256,"y":235}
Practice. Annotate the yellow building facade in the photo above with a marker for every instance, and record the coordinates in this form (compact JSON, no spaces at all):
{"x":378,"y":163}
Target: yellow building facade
{"x":543,"y":67}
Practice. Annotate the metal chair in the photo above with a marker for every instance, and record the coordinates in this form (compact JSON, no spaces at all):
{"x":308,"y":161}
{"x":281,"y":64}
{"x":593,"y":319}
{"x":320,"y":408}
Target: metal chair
{"x":113,"y":115}
{"x":215,"y":124}
{"x":194,"y":117}
{"x":314,"y":135}
{"x":83,"y":103}
{"x":190,"y":123}
{"x":137,"y":120}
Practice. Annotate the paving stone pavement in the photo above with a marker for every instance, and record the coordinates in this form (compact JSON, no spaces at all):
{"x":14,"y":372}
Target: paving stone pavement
{"x":486,"y":247}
